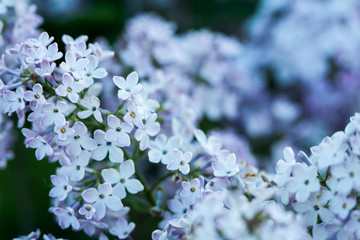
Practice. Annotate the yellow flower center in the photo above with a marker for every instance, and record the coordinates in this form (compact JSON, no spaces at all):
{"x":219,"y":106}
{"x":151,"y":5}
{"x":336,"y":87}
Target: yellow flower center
{"x":132,"y":114}
{"x":69,"y":90}
{"x":63,"y":130}
{"x":37,"y":96}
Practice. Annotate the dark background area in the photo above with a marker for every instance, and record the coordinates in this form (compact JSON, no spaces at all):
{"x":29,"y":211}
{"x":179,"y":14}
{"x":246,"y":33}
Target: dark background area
{"x":25,"y":183}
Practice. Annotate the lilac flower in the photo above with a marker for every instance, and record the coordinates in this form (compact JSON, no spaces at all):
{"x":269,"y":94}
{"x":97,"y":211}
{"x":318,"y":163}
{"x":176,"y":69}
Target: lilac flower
{"x":80,"y":139}
{"x":74,"y":66}
{"x":91,"y":71}
{"x":69,"y":88}
{"x":162,"y":148}
{"x":35,"y":56}
{"x":314,"y":208}
{"x":15,"y":100}
{"x":62,"y":187}
{"x":122,"y":179}
{"x":133,"y":115}
{"x":66,"y":217}
{"x":118,"y":131}
{"x":35,"y":97}
{"x":180,"y":161}
{"x":64,"y":131}
{"x":52,"y":53}
{"x":225,"y":167}
{"x":42,"y":40}
{"x":284,"y":167}
{"x":122,"y":229}
{"x":348,"y":174}
{"x":352,"y":227}
{"x":342,"y":205}
{"x":303,"y":182}
{"x":102,"y":198}
{"x":127,"y":87}
{"x":42,"y":147}
{"x":92,"y":104}
{"x":88,"y":210}
{"x":79,"y":49}
{"x":46,"y":69}
{"x":151,"y":128}
{"x":76,"y":170}
{"x":116,"y":154}
{"x":54,"y":113}
{"x":211,"y":145}
{"x":192,"y":191}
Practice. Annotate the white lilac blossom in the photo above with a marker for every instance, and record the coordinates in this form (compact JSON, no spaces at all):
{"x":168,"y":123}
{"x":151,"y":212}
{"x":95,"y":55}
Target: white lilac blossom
{"x":102,"y":198}
{"x":127,"y":87}
{"x":69,"y":88}
{"x":35,"y":236}
{"x":222,"y":196}
{"x":150,"y":129}
{"x":92,"y":104}
{"x":62,"y":187}
{"x":116,"y":154}
{"x":122,"y":179}
{"x":35,"y":96}
{"x":180,"y":161}
{"x":162,"y":147}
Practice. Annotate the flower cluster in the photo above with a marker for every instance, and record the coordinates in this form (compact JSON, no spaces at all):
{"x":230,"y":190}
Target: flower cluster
{"x":93,"y":146}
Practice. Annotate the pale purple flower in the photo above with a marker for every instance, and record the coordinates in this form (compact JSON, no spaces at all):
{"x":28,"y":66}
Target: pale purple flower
{"x":79,"y":49}
{"x":122,"y":179}
{"x":303,"y":182}
{"x":91,"y":71}
{"x":352,"y":227}
{"x":133,"y":115}
{"x":69,"y":88}
{"x":313,"y":208}
{"x":102,"y":197}
{"x":342,"y":205}
{"x":118,"y":131}
{"x":54,"y":113}
{"x":217,"y":184}
{"x":76,"y":169}
{"x":284,"y":167}
{"x":42,"y":40}
{"x":211,"y":145}
{"x":74,"y":66}
{"x":35,"y":96}
{"x":192,"y":191}
{"x":127,"y":87}
{"x":65,"y":131}
{"x":348,"y":174}
{"x":42,"y":147}
{"x":66,"y":217}
{"x":81,"y":139}
{"x":53,"y":53}
{"x":150,"y":129}
{"x":225,"y":167}
{"x":162,"y":148}
{"x":92,"y":104}
{"x":90,"y":227}
{"x":122,"y":229}
{"x":62,"y":187}
{"x":45,"y":70}
{"x":68,"y":40}
{"x":180,"y":161}
{"x":116,"y":154}
{"x":15,"y":100}
{"x":88,"y":210}
{"x":36,"y":55}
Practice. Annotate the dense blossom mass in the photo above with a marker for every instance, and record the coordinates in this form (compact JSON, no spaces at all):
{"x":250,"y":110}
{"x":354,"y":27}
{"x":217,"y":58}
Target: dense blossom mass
{"x":99,"y":116}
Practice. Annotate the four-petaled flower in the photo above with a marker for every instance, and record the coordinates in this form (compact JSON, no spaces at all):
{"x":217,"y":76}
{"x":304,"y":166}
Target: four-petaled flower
{"x":180,"y":161}
{"x":69,"y":88}
{"x":127,"y":87}
{"x":102,"y":197}
{"x":92,"y":104}
{"x":122,"y":179}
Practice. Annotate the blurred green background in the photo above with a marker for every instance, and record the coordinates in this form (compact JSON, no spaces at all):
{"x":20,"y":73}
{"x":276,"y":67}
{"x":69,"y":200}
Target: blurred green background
{"x":25,"y":183}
